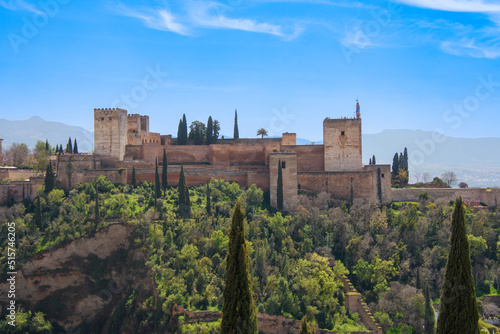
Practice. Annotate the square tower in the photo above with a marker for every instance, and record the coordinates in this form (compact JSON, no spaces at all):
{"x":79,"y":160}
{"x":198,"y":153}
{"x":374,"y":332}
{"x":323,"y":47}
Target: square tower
{"x":342,"y":144}
{"x":110,"y":132}
{"x":288,"y":161}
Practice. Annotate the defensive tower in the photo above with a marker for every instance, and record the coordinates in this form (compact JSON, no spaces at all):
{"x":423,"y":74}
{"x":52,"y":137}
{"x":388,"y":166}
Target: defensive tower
{"x":110,"y":132}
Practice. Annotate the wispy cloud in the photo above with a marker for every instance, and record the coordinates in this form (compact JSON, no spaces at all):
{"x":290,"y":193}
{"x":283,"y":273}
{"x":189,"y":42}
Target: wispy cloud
{"x":212,"y":15}
{"x":160,"y":19}
{"x":470,"y":6}
{"x":18,"y":5}
{"x":471,"y":48}
{"x":197,"y":15}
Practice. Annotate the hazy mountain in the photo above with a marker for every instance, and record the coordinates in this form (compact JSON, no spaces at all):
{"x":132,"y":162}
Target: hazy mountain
{"x":33,"y":129}
{"x":474,"y":160}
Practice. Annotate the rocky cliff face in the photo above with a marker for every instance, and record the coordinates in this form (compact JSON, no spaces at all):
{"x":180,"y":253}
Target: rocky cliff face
{"x":80,"y":284}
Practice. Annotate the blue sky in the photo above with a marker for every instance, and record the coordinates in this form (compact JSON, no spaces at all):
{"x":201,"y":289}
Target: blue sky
{"x":285,"y":65}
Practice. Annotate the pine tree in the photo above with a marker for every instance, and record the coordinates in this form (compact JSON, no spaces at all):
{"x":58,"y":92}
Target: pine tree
{"x":49,"y":179}
{"x":458,"y":309}
{"x":430,"y":317}
{"x":208,"y":206}
{"x":38,"y":214}
{"x":236,"y":134}
{"x":279,"y":192}
{"x":164,"y":170}
{"x":134,"y":181}
{"x":239,"y":313}
{"x":157,"y":181}
{"x":75,"y":148}
{"x":210,"y":130}
{"x":374,"y":162}
{"x":69,"y":147}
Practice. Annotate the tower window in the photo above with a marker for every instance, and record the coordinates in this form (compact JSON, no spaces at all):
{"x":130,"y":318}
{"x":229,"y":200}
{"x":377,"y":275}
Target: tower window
{"x":283,"y":164}
{"x":382,"y":175}
{"x":342,"y":133}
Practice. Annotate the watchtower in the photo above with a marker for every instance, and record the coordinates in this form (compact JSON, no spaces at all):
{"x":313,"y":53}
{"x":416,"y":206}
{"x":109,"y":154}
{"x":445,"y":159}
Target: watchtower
{"x":342,"y":144}
{"x":110,"y":132}
{"x":288,"y":161}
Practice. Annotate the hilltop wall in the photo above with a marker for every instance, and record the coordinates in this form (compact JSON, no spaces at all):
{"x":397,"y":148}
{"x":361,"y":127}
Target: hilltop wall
{"x":488,"y":196}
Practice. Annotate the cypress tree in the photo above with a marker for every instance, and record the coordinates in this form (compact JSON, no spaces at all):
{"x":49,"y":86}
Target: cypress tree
{"x":198,"y":138}
{"x":38,"y":214}
{"x":418,"y":285}
{"x":157,"y":181}
{"x":49,"y":179}
{"x":239,"y":314}
{"x":208,"y":206}
{"x":405,"y":159}
{"x":429,"y":318}
{"x":69,"y":147}
{"x":179,"y":133}
{"x":458,"y":309}
{"x":75,"y":148}
{"x":47,"y":147}
{"x":164,"y":176}
{"x":370,"y":161}
{"x":210,"y":127}
{"x":187,"y":204}
{"x":184,"y":129}
{"x":395,"y":166}
{"x":134,"y":182}
{"x":236,"y":134}
{"x":279,"y":192}
{"x":374,"y":162}
{"x":181,"y":191}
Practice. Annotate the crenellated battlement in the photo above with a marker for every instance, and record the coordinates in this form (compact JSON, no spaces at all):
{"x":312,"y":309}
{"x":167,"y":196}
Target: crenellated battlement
{"x":108,"y":111}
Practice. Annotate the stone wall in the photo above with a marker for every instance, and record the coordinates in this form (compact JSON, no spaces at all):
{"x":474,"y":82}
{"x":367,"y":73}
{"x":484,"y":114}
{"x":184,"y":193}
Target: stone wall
{"x":110,"y":132}
{"x":289,"y":173}
{"x":342,"y":142}
{"x":488,"y":196}
{"x":18,"y":190}
{"x":310,"y":158}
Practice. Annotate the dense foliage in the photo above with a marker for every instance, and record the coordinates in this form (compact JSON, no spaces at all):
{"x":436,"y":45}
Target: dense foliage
{"x":295,"y":260}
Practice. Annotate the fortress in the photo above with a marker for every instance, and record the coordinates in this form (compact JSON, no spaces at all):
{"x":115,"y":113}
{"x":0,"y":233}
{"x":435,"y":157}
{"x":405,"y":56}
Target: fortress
{"x":123,"y":142}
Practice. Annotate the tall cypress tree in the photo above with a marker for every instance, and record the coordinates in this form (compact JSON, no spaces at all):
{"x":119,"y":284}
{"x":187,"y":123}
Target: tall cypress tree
{"x":430,"y":317}
{"x":179,"y":133}
{"x":134,"y":181}
{"x":184,"y":129}
{"x":395,"y":166}
{"x":210,"y":130}
{"x":49,"y":179}
{"x":164,"y":169}
{"x":239,"y":314}
{"x":75,"y":148}
{"x":279,"y":191}
{"x":69,"y":147}
{"x":458,"y":309}
{"x":157,"y":181}
{"x":181,"y":191}
{"x":187,"y":203}
{"x":236,"y":134}
{"x":374,"y":162}
{"x":47,"y":146}
{"x":38,"y":214}
{"x":208,"y":206}
{"x":405,"y":159}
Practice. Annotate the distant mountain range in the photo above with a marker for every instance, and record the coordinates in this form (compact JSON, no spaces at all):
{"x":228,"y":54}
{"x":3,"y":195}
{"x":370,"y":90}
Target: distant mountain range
{"x":36,"y":128}
{"x":474,"y":160}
